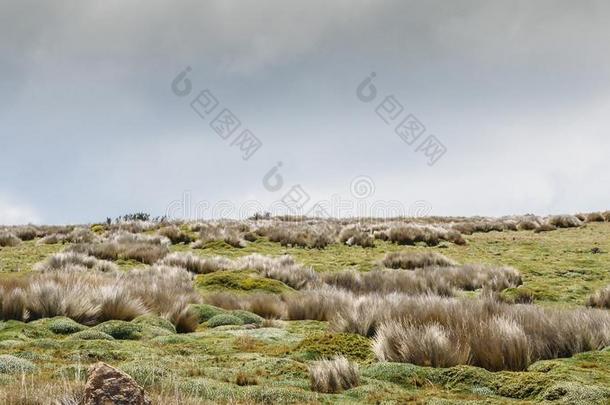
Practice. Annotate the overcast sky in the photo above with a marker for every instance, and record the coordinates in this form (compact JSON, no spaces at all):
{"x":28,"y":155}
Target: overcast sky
{"x":518,"y":92}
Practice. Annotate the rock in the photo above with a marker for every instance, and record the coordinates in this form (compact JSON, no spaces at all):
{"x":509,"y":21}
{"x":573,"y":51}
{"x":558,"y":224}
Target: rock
{"x":108,"y":385}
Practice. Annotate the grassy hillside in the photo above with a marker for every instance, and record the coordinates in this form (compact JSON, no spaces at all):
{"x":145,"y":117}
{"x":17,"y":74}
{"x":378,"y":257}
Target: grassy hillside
{"x":268,"y":363}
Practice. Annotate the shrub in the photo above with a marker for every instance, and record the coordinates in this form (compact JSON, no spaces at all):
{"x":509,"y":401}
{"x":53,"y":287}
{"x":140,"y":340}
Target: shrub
{"x":91,"y":334}
{"x":564,"y":221}
{"x":120,"y":330}
{"x":409,"y":260}
{"x":247,"y":317}
{"x":7,"y":239}
{"x":14,"y":365}
{"x":98,"y":229}
{"x":65,"y":326}
{"x":224,"y":319}
{"x":600,"y":299}
{"x":333,"y":376}
{"x":204,"y":311}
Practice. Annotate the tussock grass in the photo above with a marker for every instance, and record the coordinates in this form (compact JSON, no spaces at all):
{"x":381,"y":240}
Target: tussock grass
{"x":90,"y":296}
{"x":300,"y":234}
{"x":545,"y":228}
{"x":409,"y":260}
{"x":59,"y":261}
{"x":600,"y":299}
{"x":429,"y":280}
{"x":488,"y":334}
{"x":52,"y":239}
{"x":564,"y":221}
{"x":333,"y":376}
{"x":147,"y":249}
{"x":410,"y":234}
{"x":283,"y":268}
{"x":595,"y":217}
{"x":8,"y":239}
{"x":356,"y":236}
{"x":25,"y":233}
{"x":197,"y":264}
{"x":175,"y":235}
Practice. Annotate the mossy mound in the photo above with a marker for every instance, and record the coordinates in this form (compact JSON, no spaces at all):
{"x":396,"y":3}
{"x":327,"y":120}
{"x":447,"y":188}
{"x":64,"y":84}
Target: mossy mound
{"x":64,"y":326}
{"x":352,"y":346}
{"x":17,"y":330}
{"x":204,"y":311}
{"x":403,"y":374}
{"x":172,"y":339}
{"x":91,"y":334}
{"x":11,"y":343}
{"x":156,"y":321}
{"x":240,"y":281}
{"x":576,"y":394}
{"x":247,"y":317}
{"x":14,"y":365}
{"x":224,"y":319}
{"x":121,"y":330}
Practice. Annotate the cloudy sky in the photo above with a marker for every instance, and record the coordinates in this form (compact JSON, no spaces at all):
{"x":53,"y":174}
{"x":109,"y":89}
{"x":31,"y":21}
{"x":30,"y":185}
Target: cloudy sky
{"x":517,"y":92}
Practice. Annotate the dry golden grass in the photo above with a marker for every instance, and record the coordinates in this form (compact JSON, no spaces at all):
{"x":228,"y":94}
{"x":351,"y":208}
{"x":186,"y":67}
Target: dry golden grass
{"x":333,"y":376}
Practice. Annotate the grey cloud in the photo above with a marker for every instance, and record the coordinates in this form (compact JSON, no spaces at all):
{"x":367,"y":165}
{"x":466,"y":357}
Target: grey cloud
{"x":516,"y":90}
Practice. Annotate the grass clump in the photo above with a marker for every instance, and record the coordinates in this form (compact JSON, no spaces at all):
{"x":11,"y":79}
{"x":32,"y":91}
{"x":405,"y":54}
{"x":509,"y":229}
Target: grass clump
{"x":196,"y":264}
{"x":10,"y":364}
{"x":600,"y":299}
{"x":564,"y":221}
{"x":224,"y":319}
{"x":410,"y":261}
{"x":8,"y":239}
{"x":333,"y":376}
